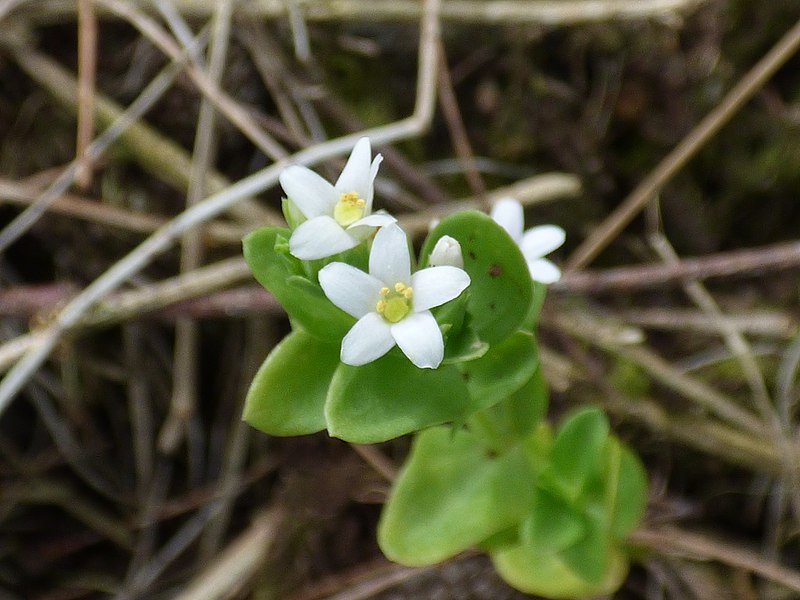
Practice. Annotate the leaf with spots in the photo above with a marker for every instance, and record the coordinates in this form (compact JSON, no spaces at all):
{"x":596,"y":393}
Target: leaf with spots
{"x":500,"y":291}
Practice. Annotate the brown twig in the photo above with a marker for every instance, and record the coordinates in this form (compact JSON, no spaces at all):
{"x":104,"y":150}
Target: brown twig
{"x":683,"y":152}
{"x":751,"y":262}
{"x":542,"y":12}
{"x":696,"y":546}
{"x":455,"y":124}
{"x":87,"y":68}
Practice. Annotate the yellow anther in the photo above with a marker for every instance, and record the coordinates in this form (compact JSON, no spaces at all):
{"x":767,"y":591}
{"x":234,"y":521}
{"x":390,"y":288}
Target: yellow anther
{"x":350,"y":198}
{"x":397,"y":302}
{"x":349,"y":208}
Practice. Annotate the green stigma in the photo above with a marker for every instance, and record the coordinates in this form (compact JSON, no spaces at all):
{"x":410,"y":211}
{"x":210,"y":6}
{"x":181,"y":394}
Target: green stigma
{"x":395,"y":304}
{"x":349,"y":209}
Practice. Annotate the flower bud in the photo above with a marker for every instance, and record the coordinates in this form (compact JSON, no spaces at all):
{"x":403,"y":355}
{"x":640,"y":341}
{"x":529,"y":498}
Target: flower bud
{"x":447,"y":251}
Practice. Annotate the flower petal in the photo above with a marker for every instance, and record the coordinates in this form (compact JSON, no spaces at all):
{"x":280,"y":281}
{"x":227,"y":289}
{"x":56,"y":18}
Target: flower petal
{"x":369,"y":339}
{"x":320,"y":237}
{"x":356,"y":173}
{"x":311,"y":193}
{"x":352,"y":290}
{"x":365,"y":227}
{"x":389,"y":259}
{"x":378,"y":219}
{"x":538,"y":241}
{"x":543,"y":271}
{"x":420,"y":339}
{"x":436,"y":285}
{"x":508,"y":213}
{"x":373,"y":173}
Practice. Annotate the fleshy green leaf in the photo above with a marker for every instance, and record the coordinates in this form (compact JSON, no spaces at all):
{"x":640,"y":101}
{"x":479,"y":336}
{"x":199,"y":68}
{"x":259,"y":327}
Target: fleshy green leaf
{"x":628,"y":498}
{"x":390,"y":397}
{"x":577,"y":450}
{"x":500,"y":292}
{"x":526,"y":407}
{"x":451,"y":495}
{"x":590,"y":557}
{"x":266,"y":252}
{"x":553,"y":525}
{"x":550,"y":576}
{"x":287,"y":395}
{"x":503,"y":370}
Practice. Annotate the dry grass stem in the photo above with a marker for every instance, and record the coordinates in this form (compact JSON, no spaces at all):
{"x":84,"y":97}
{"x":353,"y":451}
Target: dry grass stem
{"x":698,"y":137}
{"x":560,"y":13}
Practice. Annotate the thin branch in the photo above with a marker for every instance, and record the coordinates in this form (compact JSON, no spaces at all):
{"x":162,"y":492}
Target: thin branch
{"x":517,"y":12}
{"x":87,"y":70}
{"x":696,"y":546}
{"x":184,"y":387}
{"x":95,"y":211}
{"x":232,"y":110}
{"x":698,"y":137}
{"x":455,"y":124}
{"x":756,"y":261}
{"x":602,"y":335}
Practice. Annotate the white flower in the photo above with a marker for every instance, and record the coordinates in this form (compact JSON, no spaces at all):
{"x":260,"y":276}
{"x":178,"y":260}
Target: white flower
{"x":534,"y":243}
{"x":339,"y":216}
{"x":392,"y":305}
{"x":447,"y":251}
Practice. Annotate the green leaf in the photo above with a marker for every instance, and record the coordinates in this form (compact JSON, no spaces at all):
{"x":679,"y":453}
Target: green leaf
{"x":553,"y":525}
{"x":511,"y":420}
{"x":500,"y":292}
{"x":628,"y":498}
{"x":266,"y":252}
{"x":451,"y":495}
{"x":287,"y":395}
{"x":577,"y":450}
{"x":503,"y":370}
{"x":390,"y":397}
{"x":550,"y":575}
{"x":590,"y":557}
{"x":526,"y":407}
{"x":464,"y":345}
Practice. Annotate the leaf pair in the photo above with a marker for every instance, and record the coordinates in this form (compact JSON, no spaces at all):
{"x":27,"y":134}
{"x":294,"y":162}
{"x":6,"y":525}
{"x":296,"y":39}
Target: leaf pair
{"x":552,"y":512}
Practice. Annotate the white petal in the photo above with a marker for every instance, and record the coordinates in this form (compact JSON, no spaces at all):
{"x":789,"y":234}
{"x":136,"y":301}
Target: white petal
{"x":370,"y":338}
{"x":538,"y":241}
{"x":311,"y":193}
{"x":447,"y":251}
{"x":420,"y":339}
{"x":373,"y":173}
{"x":543,"y":271}
{"x":508,"y":213}
{"x":320,"y":237}
{"x":352,"y":290}
{"x":436,"y":285}
{"x":363,"y":228}
{"x":389,"y":259}
{"x":355,"y":175}
{"x":378,"y":219}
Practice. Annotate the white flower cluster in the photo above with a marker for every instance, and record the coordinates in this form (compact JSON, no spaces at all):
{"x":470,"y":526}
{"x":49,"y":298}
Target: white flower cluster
{"x":391,"y":304}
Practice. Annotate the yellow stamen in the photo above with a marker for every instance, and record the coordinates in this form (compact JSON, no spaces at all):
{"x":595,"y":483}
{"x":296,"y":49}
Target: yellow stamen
{"x":349,"y":208}
{"x":397,"y":303}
